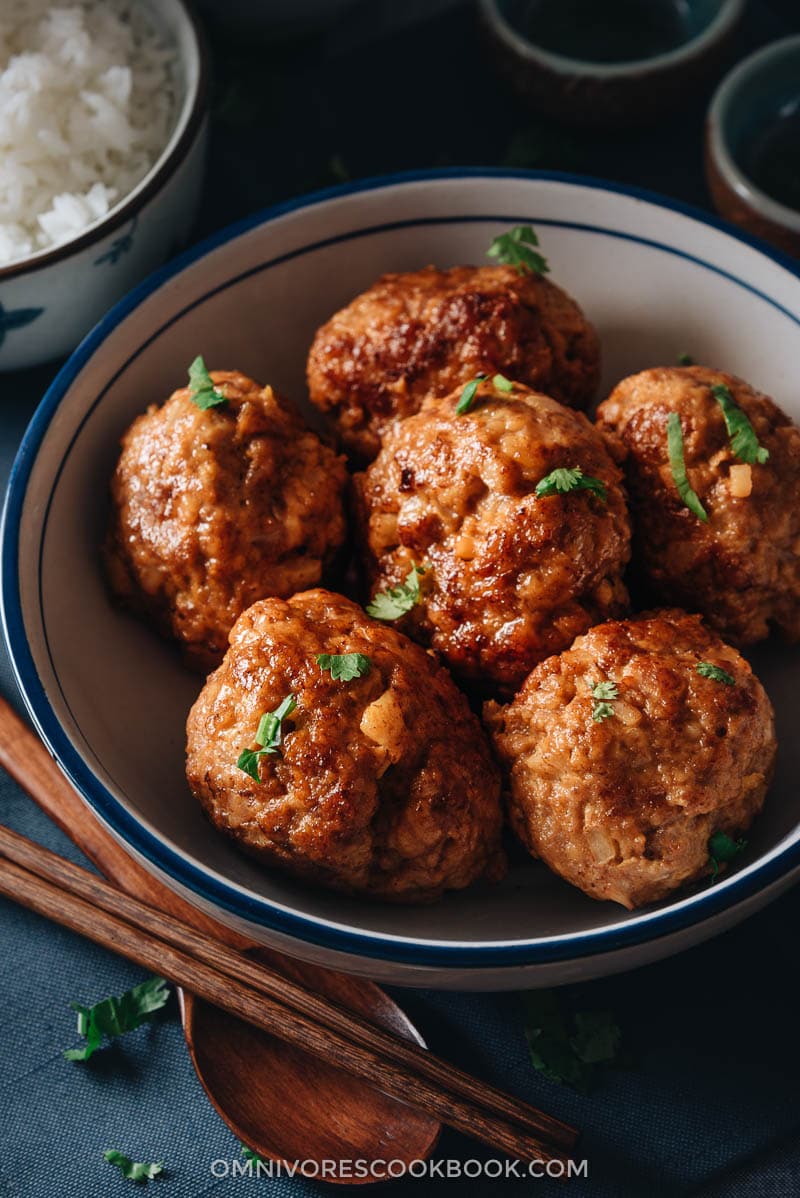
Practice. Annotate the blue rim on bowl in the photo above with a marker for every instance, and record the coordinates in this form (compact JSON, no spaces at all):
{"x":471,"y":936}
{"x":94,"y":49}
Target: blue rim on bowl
{"x":208,"y":886}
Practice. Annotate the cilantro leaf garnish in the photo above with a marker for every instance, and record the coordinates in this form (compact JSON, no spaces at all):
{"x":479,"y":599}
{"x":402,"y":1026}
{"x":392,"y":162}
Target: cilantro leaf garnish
{"x":468,"y":394}
{"x":678,"y":467}
{"x":565,"y":479}
{"x":567,"y":1046}
{"x":603,"y":694}
{"x":205,"y":393}
{"x":268,"y":737}
{"x":133,"y":1170}
{"x":501,"y":383}
{"x":517,"y":248}
{"x":115,"y":1016}
{"x":685,"y":360}
{"x":395,"y":602}
{"x":344,"y":667}
{"x":722,"y":849}
{"x":709,"y":670}
{"x":744,"y":442}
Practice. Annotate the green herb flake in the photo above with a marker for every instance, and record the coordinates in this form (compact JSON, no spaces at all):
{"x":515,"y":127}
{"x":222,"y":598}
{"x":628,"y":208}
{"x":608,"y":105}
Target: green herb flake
{"x":468,"y":394}
{"x":269,"y":737}
{"x":133,"y":1170}
{"x":250,"y":1155}
{"x":517,"y":248}
{"x":708,"y":670}
{"x":685,"y":360}
{"x":563,"y":480}
{"x":344,"y":667}
{"x":501,"y":383}
{"x":567,"y":1047}
{"x":114,"y":1017}
{"x":205,"y":393}
{"x":678,"y":467}
{"x":744,"y":442}
{"x":722,"y":849}
{"x":603,"y":695}
{"x":395,"y":602}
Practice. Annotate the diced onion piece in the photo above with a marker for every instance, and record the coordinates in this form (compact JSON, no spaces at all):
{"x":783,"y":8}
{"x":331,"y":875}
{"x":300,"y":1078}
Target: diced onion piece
{"x":741,"y":481}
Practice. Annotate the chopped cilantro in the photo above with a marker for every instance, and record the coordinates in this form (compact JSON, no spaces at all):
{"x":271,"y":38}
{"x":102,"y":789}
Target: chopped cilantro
{"x":566,"y":479}
{"x":744,"y":442}
{"x":468,"y":394}
{"x":678,"y":466}
{"x":269,"y":736}
{"x":344,"y":667}
{"x":205,"y":393}
{"x":395,"y":602}
{"x":722,"y":849}
{"x":517,"y":248}
{"x":115,"y":1016}
{"x":685,"y":360}
{"x":603,"y":694}
{"x":501,"y":383}
{"x":708,"y":670}
{"x":567,"y":1046}
{"x":133,"y":1170}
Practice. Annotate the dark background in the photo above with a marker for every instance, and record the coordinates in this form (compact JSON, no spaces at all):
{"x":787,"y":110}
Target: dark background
{"x":707,"y":1103}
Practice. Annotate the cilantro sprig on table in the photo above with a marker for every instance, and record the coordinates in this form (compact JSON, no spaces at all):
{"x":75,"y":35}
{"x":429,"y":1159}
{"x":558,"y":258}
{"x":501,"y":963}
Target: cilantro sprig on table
{"x":565,"y":479}
{"x":133,"y":1170}
{"x":397,"y":601}
{"x":268,"y":737}
{"x":114,"y":1017}
{"x":518,"y":248}
{"x":205,"y":393}
{"x":567,"y":1046}
{"x":744,"y":442}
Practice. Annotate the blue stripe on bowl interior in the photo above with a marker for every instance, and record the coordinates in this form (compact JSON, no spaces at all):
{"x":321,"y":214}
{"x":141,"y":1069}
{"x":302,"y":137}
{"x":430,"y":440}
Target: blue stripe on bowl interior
{"x":216,"y":891}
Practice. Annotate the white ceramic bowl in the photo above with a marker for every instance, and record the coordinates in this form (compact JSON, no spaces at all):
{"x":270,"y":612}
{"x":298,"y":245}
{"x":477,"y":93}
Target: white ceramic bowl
{"x":110,"y":697}
{"x":48,"y":301}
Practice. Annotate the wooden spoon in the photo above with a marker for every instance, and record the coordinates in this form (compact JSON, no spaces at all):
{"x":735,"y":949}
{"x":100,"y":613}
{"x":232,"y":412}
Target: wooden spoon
{"x":279,"y":1100}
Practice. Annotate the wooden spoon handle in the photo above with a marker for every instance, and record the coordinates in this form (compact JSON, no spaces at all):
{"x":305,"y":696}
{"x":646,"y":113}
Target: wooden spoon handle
{"x":25,"y":758}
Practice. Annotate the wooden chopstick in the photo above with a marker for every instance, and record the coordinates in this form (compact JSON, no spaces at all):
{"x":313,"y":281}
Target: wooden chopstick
{"x":77,"y":899}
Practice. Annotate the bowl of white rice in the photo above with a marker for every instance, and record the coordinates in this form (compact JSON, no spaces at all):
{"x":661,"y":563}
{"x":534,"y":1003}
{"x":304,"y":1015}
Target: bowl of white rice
{"x":102,"y":146}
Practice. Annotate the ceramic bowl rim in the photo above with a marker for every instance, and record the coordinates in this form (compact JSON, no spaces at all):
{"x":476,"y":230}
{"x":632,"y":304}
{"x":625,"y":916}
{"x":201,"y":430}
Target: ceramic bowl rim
{"x":221,"y":893}
{"x":719,"y":145}
{"x":183,"y":136}
{"x":728,"y":15}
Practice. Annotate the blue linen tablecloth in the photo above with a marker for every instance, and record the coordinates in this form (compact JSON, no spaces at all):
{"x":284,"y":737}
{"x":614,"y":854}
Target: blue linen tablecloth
{"x":707,"y":1101}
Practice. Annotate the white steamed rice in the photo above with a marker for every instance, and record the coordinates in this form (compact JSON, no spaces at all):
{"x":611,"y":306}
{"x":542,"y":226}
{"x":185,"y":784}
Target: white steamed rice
{"x":86,"y":106}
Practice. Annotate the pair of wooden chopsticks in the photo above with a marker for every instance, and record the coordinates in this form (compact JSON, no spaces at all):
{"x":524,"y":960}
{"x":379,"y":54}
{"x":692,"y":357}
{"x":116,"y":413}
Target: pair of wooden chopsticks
{"x":77,"y":899}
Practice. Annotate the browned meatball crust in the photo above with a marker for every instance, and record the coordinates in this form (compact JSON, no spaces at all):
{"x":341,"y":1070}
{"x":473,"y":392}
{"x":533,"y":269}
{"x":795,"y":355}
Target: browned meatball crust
{"x":741,"y":570}
{"x":420,"y":334}
{"x":624,"y":807}
{"x":215,"y":509}
{"x":384,"y":785}
{"x":510,"y":577}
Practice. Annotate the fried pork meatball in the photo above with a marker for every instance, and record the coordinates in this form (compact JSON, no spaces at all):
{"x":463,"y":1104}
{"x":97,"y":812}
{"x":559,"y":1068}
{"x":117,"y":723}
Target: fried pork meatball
{"x":383,"y":785}
{"x":215,"y":509}
{"x":423,"y":333}
{"x":741,"y":568}
{"x":621,"y":795}
{"x":510,"y":576}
